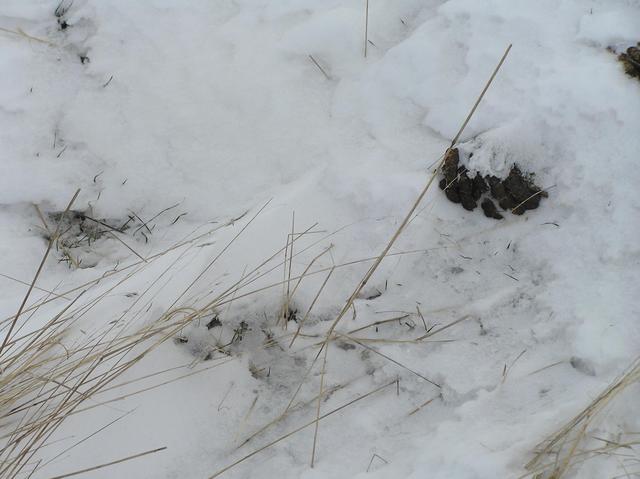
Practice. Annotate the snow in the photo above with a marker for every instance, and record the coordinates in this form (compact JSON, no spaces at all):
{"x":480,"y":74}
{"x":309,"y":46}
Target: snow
{"x":218,"y":108}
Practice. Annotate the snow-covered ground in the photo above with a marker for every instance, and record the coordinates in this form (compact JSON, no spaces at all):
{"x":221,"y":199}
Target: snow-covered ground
{"x":211,"y":109}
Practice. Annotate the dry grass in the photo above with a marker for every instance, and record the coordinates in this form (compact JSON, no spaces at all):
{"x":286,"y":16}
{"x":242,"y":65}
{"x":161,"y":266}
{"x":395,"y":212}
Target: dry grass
{"x":49,"y":372}
{"x":20,"y":33}
{"x":331,"y":333}
{"x":571,"y":445}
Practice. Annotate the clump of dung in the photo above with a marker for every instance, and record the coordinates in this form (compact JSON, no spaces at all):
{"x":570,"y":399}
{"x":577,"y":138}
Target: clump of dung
{"x":517,"y":192}
{"x":631,"y":61}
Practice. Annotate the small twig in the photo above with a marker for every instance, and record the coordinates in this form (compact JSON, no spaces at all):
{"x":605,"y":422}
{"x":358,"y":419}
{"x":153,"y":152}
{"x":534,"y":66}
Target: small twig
{"x":319,"y":67}
{"x":373,"y":457}
{"x":288,"y":255}
{"x":375,"y":351}
{"x":315,"y":432}
{"x":62,"y":151}
{"x":283,"y":312}
{"x":304,"y":319}
{"x":546,"y":367}
{"x":378,"y":323}
{"x":102,"y":223}
{"x":422,"y":318}
{"x":293,"y":225}
{"x":446,"y":326}
{"x":143,"y":225}
{"x":108,"y":81}
{"x":484,"y":91}
{"x":506,"y":369}
{"x":21,"y":33}
{"x":304,"y":426}
{"x":86,"y":438}
{"x":247,"y":415}
{"x":311,"y":263}
{"x":41,"y":216}
{"x":126,"y":245}
{"x":153,"y":217}
{"x":35,"y":287}
{"x":366,"y":27}
{"x":62,"y":9}
{"x":426,"y":403}
{"x":107,"y":464}
{"x":116,"y":237}
{"x":225,"y":396}
{"x":178,"y":217}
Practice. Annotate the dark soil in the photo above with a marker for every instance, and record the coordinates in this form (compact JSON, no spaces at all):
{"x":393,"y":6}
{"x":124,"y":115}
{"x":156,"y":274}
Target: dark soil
{"x":77,"y":228}
{"x":516,"y":192}
{"x":77,"y":234}
{"x":631,"y":61}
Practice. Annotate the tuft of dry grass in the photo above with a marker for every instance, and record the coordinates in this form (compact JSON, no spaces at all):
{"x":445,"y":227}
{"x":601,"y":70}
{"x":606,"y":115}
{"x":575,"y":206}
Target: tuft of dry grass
{"x":48,"y":370}
{"x":570,"y":445}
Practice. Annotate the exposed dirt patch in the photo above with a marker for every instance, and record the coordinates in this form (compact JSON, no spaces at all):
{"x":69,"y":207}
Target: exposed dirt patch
{"x":516,"y":193}
{"x":82,"y":227}
{"x":78,"y":234}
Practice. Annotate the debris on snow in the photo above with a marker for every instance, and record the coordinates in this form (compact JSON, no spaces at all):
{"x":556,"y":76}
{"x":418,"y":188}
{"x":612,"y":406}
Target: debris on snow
{"x":631,"y":61}
{"x":516,"y":193}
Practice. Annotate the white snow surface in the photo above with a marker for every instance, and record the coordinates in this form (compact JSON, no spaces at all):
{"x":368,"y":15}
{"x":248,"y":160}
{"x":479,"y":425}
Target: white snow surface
{"x":217,"y":106}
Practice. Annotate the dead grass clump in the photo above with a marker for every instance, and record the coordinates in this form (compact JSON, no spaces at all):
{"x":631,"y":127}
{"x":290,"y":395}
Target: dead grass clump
{"x":49,"y":367}
{"x":577,"y":441}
